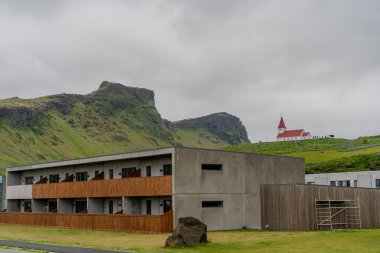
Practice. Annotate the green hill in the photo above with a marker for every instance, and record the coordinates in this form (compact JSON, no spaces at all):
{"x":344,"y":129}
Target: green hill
{"x":324,"y":155}
{"x":115,"y":118}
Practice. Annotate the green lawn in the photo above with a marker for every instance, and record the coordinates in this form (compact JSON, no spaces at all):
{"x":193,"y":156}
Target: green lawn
{"x":222,"y":241}
{"x":324,"y":155}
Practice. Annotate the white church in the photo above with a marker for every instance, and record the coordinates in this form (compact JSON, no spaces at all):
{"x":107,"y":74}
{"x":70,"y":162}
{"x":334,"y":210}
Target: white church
{"x":291,"y":135}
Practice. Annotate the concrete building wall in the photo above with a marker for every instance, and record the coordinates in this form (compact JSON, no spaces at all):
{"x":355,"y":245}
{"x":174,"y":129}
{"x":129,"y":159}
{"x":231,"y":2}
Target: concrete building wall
{"x":237,"y":185}
{"x":13,"y":205}
{"x":95,"y":205}
{"x":117,"y":205}
{"x":39,"y":206}
{"x":365,"y":179}
{"x":65,"y":205}
{"x":131,"y":205}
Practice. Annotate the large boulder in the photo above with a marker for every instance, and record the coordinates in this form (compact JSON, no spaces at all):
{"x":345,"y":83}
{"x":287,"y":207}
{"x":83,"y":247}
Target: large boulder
{"x":188,"y":231}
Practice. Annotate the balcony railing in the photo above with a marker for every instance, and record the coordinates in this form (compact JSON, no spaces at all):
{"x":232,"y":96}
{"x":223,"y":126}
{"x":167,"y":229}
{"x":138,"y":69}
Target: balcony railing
{"x":137,"y":186}
{"x":112,"y":222}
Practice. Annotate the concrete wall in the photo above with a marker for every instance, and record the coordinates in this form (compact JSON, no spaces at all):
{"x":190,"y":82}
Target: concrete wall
{"x":13,"y":205}
{"x":65,"y":205}
{"x":39,"y":206}
{"x":132,"y":205}
{"x":365,"y":179}
{"x":237,"y":185}
{"x":95,"y":205}
{"x":117,"y":205}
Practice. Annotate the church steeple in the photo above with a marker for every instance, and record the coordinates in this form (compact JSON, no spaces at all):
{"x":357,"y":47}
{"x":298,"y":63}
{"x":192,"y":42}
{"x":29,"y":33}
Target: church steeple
{"x":281,"y":126}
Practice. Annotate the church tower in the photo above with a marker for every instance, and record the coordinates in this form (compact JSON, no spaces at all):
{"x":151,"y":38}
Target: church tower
{"x":281,"y":126}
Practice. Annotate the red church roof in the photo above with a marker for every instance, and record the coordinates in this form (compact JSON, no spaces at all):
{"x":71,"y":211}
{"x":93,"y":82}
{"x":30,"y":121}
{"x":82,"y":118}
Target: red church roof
{"x":282,"y":123}
{"x":291,"y":133}
{"x":306,"y":134}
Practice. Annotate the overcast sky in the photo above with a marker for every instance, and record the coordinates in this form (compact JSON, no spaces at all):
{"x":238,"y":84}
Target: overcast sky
{"x":317,"y":62}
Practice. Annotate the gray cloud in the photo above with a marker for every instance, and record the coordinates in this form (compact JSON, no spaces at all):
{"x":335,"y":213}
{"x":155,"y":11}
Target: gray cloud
{"x":318,"y":62}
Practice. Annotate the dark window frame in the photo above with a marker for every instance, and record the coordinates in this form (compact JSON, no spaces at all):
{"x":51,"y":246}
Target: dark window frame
{"x":332,"y":183}
{"x":110,"y":174}
{"x":167,"y":170}
{"x":82,"y":176}
{"x":148,"y":171}
{"x":148,"y":207}
{"x":29,"y":180}
{"x":212,"y":204}
{"x":127,"y":172}
{"x":54,"y":178}
{"x":377,"y":183}
{"x":213,"y":167}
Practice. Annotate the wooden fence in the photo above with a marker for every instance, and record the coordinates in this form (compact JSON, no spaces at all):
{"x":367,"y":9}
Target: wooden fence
{"x":137,"y":186}
{"x":123,"y":223}
{"x":292,"y":206}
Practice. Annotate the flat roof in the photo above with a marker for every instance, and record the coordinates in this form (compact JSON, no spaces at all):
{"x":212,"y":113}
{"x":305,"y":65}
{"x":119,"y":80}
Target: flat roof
{"x":96,"y":159}
{"x":123,"y":156}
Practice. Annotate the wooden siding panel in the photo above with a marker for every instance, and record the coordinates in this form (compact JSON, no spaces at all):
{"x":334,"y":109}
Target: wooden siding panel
{"x":123,"y":223}
{"x":125,"y":187}
{"x":292,"y":207}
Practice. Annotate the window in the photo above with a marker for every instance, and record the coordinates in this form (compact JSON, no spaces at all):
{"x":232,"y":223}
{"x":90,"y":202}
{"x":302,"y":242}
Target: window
{"x":110,"y":174}
{"x":344,"y":183}
{"x":127,"y":172}
{"x":377,"y":183}
{"x":310,"y":182}
{"x":332,"y":183}
{"x":355,"y":183}
{"x":148,"y":207}
{"x":81,"y":176}
{"x":80,"y":206}
{"x":167,"y":205}
{"x":167,"y":169}
{"x":54,"y":178}
{"x":96,"y":173}
{"x":110,"y":207}
{"x":29,"y":180}
{"x":27,"y":206}
{"x":148,"y":171}
{"x":212,"y":167}
{"x":212,"y":204}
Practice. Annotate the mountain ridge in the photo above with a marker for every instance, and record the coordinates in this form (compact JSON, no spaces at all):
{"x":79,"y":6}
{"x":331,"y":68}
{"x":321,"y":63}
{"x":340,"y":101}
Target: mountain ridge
{"x":113,"y":118}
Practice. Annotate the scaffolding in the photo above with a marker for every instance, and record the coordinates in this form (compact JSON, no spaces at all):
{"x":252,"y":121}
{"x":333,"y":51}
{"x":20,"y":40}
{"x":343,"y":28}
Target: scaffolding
{"x":337,"y":214}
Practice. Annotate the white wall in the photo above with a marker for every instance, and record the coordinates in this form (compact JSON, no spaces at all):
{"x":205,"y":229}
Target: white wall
{"x":366,"y":179}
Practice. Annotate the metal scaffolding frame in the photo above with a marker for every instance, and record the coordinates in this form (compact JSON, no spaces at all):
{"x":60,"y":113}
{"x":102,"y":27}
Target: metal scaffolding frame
{"x":337,"y":214}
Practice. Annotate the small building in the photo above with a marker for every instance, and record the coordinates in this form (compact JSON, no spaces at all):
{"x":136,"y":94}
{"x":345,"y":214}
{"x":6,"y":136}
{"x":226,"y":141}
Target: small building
{"x":291,"y":135}
{"x":146,"y":191}
{"x":365,"y":179}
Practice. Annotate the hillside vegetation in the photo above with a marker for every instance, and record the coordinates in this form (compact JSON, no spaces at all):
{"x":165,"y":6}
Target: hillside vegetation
{"x":115,"y":118}
{"x":324,"y":155}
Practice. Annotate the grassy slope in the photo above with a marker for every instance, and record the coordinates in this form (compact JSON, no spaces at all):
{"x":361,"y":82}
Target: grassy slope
{"x":324,"y":155}
{"x":221,"y":241}
{"x":86,"y":132}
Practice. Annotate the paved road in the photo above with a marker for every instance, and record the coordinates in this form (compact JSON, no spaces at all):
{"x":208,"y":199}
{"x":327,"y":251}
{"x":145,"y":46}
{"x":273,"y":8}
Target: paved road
{"x":52,"y":248}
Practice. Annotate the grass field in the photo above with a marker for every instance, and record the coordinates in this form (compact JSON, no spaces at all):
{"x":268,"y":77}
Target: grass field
{"x":222,"y":241}
{"x":324,"y":155}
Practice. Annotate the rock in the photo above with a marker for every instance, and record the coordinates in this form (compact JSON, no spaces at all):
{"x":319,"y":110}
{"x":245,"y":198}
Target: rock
{"x":188,"y":231}
{"x":226,"y":126}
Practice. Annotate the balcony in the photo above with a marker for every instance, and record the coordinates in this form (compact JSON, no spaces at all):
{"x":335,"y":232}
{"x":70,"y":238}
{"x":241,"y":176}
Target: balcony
{"x":113,"y":222}
{"x":127,"y":187}
{"x":19,"y":191}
